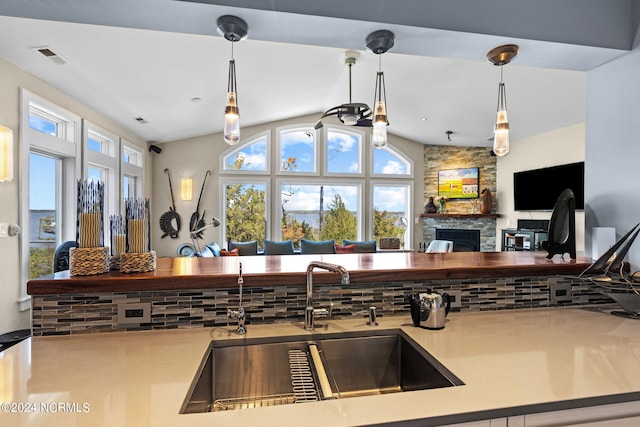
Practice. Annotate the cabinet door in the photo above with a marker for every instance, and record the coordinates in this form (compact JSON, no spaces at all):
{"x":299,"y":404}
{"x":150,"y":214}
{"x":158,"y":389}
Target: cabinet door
{"x":617,"y":415}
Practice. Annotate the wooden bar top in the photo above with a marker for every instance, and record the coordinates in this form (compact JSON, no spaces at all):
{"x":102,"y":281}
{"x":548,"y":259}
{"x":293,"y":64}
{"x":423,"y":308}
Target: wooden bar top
{"x":222,"y":272}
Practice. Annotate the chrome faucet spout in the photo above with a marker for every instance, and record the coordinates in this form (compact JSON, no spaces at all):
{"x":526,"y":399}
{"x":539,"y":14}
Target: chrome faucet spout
{"x":239,"y":313}
{"x":309,"y":313}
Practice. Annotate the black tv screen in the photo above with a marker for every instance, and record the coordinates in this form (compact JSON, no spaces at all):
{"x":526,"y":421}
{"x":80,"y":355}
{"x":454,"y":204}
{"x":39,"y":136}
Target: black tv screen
{"x":538,"y":189}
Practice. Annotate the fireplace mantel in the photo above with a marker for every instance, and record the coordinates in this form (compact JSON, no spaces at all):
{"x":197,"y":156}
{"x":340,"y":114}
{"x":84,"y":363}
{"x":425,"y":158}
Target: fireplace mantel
{"x":459,"y":215}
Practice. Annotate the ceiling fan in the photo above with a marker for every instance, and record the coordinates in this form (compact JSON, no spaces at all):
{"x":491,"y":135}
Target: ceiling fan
{"x":353,"y":113}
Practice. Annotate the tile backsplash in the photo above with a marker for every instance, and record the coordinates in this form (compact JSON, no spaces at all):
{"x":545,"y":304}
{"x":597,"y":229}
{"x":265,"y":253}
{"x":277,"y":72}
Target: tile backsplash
{"x":98,"y":312}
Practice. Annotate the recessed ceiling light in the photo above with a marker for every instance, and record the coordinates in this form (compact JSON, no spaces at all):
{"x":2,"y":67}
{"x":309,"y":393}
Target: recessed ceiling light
{"x":196,"y":99}
{"x":141,"y":120}
{"x":424,"y":119}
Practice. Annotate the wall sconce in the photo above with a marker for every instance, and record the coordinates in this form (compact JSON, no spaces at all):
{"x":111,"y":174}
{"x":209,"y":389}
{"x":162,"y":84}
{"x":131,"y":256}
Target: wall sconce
{"x":6,"y":154}
{"x":186,"y":188}
{"x":233,"y":29}
{"x":502,"y":55}
{"x":380,"y":42}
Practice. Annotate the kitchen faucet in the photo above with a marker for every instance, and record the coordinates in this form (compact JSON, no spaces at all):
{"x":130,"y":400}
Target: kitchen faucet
{"x":311,"y":312}
{"x":239,"y":313}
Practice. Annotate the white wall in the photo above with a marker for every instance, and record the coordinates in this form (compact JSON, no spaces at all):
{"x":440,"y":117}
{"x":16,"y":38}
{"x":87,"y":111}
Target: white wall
{"x":12,"y":79}
{"x":612,"y":196}
{"x":561,"y":146}
{"x":192,"y":157}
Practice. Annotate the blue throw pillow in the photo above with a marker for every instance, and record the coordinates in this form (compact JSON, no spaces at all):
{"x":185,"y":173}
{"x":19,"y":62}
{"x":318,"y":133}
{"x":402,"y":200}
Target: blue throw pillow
{"x":244,"y":248}
{"x":313,"y":247}
{"x":278,"y":248}
{"x":361,"y":247}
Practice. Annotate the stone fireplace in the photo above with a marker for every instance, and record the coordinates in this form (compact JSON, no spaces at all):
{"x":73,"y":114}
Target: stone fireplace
{"x":463,"y":240}
{"x":483,"y":226}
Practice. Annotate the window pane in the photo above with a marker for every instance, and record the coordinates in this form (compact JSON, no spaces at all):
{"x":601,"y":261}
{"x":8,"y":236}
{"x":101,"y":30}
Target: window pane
{"x":42,"y":124}
{"x":252,"y":157}
{"x":343,"y":152}
{"x":95,"y":174}
{"x":386,"y":162}
{"x":128,"y":187}
{"x":245,"y":212}
{"x":94,"y":145}
{"x":389,"y":207}
{"x":43,"y":182}
{"x":298,"y":151}
{"x":319,"y":212}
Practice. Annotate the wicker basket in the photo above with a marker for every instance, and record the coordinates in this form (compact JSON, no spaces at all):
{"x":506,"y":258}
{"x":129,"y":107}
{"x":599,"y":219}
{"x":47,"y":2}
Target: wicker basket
{"x":137,"y":262}
{"x":389,"y":243}
{"x":88,"y":261}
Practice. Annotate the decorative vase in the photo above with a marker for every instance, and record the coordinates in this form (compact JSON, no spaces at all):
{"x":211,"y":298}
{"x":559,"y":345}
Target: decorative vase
{"x":443,"y":206}
{"x":430,"y":207}
{"x":485,"y":201}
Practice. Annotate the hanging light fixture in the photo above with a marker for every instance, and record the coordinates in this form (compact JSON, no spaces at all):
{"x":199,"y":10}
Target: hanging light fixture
{"x":233,"y":29}
{"x":380,"y":42}
{"x":501,"y":56}
{"x":353,"y":113}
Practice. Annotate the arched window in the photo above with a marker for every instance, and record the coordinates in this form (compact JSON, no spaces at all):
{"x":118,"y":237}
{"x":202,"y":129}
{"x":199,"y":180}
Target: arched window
{"x":390,"y":162}
{"x":297,"y":150}
{"x":252,"y":156}
{"x":343,"y":151}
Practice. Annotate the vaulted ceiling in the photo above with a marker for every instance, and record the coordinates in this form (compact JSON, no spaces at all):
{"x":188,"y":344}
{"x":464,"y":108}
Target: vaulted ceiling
{"x":163,"y":61}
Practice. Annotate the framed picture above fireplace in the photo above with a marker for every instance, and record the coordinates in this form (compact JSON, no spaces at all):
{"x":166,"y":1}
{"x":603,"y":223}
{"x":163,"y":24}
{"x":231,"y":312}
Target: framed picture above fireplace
{"x":459,"y":183}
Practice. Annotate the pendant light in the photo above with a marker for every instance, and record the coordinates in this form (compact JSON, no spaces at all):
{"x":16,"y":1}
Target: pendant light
{"x":233,"y":29}
{"x":501,"y":56}
{"x":380,"y":42}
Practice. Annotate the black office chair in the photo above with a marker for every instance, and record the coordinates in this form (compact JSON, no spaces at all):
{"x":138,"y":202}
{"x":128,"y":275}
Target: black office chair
{"x":61,"y":256}
{"x":562,"y":227}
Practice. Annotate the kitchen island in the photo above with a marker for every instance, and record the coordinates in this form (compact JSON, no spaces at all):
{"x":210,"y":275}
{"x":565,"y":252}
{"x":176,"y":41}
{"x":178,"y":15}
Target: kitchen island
{"x":514,"y":363}
{"x":196,"y":292}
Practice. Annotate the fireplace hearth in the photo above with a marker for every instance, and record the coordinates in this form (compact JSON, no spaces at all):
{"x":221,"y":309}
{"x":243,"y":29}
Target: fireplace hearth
{"x":464,"y":240}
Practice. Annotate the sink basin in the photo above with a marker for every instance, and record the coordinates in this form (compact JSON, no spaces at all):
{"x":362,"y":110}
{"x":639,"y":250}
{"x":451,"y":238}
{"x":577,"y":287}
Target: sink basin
{"x":258,"y":372}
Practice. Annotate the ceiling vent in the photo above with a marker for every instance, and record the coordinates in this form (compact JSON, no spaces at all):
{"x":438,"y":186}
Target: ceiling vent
{"x":48,"y":53}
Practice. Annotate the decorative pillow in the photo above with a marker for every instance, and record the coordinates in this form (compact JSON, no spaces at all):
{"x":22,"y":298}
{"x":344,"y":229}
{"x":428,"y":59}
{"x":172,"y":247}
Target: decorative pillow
{"x":232,"y":252}
{"x":345,"y":249}
{"x":368,"y":246}
{"x":278,"y":248}
{"x":313,"y":247}
{"x":244,"y":248}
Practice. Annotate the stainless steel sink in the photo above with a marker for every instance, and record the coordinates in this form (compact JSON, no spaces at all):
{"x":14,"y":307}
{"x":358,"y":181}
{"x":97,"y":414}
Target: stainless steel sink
{"x":258,"y":372}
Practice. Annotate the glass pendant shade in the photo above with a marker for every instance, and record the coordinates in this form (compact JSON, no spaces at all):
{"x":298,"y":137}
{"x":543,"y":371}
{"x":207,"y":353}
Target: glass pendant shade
{"x":501,"y":129}
{"x":379,"y":137}
{"x":231,"y":111}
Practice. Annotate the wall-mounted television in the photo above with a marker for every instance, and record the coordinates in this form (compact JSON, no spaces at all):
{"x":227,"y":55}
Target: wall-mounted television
{"x":538,"y":189}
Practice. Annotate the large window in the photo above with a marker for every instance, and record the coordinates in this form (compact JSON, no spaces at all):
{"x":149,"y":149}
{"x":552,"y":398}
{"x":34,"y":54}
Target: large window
{"x":320,"y":211}
{"x":58,"y":149}
{"x":328,"y":185}
{"x":50,"y":165}
{"x":391,"y":211}
{"x":245,"y":210}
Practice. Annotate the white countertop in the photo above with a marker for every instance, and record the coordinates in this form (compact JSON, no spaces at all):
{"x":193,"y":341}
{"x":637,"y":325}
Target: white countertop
{"x":507,"y":359}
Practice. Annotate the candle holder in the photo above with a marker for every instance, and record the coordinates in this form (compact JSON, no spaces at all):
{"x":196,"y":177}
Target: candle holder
{"x":139,"y":257}
{"x":91,"y":256}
